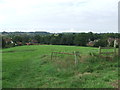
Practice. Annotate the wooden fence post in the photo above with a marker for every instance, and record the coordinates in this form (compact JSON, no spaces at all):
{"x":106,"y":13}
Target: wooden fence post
{"x":99,"y":49}
{"x":115,"y":51}
{"x":51,"y":55}
{"x":75,"y":57}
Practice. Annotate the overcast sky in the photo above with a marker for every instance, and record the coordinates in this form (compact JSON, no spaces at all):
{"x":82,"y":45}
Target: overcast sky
{"x":59,"y":15}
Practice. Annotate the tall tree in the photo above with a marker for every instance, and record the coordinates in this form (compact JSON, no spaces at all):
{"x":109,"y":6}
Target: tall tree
{"x":3,"y":43}
{"x":81,"y":39}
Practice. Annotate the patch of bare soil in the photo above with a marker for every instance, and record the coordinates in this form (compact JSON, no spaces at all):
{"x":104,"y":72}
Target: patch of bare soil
{"x":115,"y":84}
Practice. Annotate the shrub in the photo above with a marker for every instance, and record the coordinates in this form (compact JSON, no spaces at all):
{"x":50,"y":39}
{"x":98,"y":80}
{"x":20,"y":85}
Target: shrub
{"x":9,"y":45}
{"x":102,"y":43}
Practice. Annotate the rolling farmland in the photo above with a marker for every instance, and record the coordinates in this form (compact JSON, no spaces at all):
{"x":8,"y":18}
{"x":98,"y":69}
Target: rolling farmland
{"x":32,"y":67}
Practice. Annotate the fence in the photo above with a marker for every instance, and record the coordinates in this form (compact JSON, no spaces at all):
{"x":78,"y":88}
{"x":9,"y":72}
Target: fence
{"x":75,"y":53}
{"x":107,"y":53}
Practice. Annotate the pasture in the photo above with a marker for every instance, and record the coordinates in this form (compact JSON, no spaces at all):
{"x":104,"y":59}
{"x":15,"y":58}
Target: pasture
{"x":32,"y":67}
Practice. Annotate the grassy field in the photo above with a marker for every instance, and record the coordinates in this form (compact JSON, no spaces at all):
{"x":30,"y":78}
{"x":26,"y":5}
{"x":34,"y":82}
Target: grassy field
{"x":32,"y":67}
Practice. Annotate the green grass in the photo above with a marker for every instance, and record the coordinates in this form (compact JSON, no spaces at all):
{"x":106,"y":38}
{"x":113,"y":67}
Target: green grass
{"x":32,"y":67}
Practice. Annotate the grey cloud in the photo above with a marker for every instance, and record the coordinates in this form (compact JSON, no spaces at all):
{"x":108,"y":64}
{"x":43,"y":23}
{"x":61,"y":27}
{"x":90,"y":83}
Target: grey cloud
{"x":58,"y":17}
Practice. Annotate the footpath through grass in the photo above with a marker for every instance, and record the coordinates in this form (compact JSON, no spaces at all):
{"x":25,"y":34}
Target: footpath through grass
{"x":32,"y":67}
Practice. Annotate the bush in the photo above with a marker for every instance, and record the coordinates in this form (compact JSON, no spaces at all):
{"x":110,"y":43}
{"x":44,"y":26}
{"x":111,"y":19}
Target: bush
{"x":102,"y":43}
{"x":9,"y":45}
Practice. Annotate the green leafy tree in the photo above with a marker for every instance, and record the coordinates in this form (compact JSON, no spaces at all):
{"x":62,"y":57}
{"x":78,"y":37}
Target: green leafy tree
{"x":81,"y":39}
{"x":3,"y":43}
{"x":101,"y":42}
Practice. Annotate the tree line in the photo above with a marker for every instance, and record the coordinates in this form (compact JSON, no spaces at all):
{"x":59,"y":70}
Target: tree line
{"x":75,"y":39}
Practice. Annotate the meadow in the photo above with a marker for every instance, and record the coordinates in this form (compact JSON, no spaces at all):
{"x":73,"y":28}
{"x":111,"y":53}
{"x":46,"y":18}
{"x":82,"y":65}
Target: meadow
{"x":32,"y":67}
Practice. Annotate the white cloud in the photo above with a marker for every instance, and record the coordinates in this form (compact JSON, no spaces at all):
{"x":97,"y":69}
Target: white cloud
{"x":99,"y":15}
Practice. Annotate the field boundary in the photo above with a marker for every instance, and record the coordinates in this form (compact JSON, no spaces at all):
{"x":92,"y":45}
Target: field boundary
{"x":114,"y":50}
{"x":75,"y":54}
